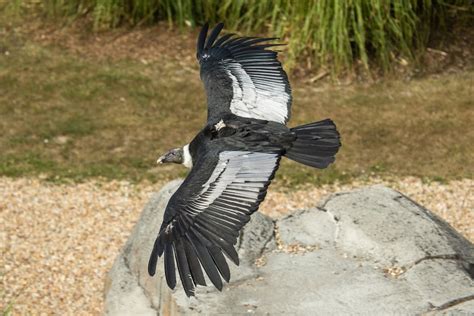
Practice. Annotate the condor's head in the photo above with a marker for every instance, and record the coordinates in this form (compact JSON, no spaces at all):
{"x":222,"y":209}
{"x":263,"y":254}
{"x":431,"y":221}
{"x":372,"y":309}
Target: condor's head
{"x":178,"y":155}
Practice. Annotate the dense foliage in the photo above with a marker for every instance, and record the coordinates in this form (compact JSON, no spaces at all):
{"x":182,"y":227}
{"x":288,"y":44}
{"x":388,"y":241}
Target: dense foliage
{"x":334,"y":33}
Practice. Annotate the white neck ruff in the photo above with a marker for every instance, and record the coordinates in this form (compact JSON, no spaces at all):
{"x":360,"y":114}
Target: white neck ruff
{"x":187,"y":159}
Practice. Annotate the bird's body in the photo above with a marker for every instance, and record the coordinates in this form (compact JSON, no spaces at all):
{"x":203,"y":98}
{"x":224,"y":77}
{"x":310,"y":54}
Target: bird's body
{"x":237,"y":133}
{"x":233,"y":158}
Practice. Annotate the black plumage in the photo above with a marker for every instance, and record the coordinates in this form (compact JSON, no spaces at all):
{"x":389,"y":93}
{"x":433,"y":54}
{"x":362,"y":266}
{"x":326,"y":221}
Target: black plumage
{"x":233,"y":158}
{"x":243,"y":63}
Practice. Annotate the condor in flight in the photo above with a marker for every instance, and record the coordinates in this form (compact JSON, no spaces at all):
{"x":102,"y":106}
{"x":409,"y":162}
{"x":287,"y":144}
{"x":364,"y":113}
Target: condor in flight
{"x":233,"y":158}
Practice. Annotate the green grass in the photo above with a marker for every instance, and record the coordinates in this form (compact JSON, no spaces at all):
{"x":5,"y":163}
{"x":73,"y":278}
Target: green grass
{"x":327,"y":34}
{"x":7,"y":311}
{"x":67,"y":117}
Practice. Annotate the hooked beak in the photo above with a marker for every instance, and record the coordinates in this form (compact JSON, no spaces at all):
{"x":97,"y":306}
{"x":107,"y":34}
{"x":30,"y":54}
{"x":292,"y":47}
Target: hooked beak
{"x":160,"y":160}
{"x":174,"y":156}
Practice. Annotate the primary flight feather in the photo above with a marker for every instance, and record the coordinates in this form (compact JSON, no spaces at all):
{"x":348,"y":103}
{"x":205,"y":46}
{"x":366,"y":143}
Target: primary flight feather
{"x":233,"y":158}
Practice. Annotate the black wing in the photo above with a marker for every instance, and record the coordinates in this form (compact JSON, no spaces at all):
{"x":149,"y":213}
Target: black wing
{"x":243,"y":77}
{"x":203,"y":218}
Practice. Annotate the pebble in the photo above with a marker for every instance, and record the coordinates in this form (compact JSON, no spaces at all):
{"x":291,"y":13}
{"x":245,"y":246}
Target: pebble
{"x":58,"y":241}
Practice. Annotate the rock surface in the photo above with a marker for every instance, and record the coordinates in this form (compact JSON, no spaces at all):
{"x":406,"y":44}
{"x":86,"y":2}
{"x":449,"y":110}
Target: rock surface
{"x":368,"y":251}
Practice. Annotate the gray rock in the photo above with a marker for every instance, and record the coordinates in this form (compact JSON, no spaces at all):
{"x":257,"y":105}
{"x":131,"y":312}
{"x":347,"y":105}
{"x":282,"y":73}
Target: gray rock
{"x":368,"y":251}
{"x":128,"y":281}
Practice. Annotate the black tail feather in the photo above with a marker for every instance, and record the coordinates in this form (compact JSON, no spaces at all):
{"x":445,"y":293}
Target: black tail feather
{"x":316,"y":144}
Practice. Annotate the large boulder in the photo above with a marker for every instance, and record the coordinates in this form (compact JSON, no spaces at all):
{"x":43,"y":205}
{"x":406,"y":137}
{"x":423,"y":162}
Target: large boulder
{"x":368,"y":251}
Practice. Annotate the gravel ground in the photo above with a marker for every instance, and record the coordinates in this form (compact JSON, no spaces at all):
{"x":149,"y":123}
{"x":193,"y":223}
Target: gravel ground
{"x":59,"y":241}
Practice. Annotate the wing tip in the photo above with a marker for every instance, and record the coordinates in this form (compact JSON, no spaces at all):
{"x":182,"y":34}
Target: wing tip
{"x":156,"y":252}
{"x":152,"y":266}
{"x":205,"y":42}
{"x":170,"y":271}
{"x":214,"y":34}
{"x":202,"y":39}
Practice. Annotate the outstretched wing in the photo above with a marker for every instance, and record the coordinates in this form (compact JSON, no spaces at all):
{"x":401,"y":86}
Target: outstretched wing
{"x":243,"y":77}
{"x":203,"y":218}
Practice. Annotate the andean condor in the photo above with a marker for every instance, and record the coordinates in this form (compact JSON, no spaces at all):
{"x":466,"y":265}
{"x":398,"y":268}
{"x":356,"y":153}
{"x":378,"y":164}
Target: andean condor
{"x":233,"y":158}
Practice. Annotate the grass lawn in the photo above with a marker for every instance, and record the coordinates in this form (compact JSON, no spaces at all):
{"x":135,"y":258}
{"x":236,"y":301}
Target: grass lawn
{"x":66,"y":116}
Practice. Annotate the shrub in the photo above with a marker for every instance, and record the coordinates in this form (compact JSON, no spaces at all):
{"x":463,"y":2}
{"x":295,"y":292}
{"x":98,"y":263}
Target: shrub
{"x":328,"y":33}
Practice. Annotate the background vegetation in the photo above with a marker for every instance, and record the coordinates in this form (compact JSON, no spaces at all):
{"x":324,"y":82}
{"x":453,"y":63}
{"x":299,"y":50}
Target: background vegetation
{"x":76,"y":104}
{"x":64,"y":116}
{"x":89,"y":99}
{"x":327,"y":34}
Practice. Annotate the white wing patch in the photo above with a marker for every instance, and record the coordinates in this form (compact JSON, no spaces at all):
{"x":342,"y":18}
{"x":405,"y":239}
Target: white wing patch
{"x":241,"y":174}
{"x":257,"y":97}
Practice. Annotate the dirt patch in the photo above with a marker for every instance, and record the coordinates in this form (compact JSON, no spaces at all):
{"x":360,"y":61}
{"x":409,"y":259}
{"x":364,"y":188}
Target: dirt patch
{"x":59,"y":241}
{"x":160,"y":42}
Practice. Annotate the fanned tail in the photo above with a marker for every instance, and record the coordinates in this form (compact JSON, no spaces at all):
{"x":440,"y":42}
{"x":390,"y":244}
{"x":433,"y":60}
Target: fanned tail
{"x":316,"y":144}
